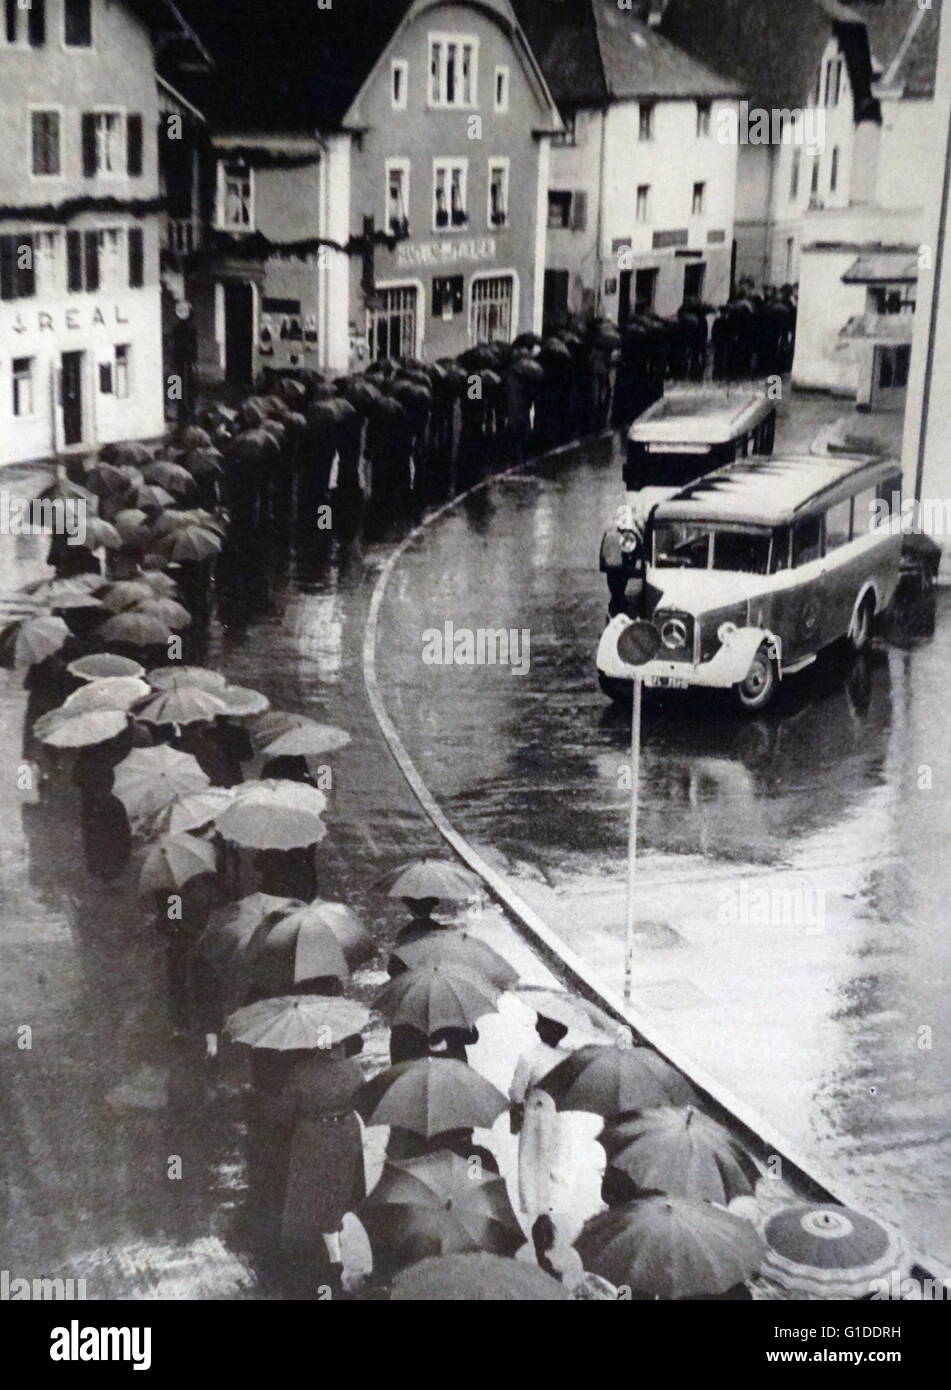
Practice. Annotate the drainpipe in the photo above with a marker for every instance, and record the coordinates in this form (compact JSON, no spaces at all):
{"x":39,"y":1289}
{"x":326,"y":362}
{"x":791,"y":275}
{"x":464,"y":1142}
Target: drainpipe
{"x":598,"y":263}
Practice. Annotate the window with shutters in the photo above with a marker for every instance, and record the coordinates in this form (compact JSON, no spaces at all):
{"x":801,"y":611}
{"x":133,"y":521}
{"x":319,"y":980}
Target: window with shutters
{"x":450,"y":194}
{"x":559,"y":208}
{"x":453,"y":70}
{"x":23,"y":373}
{"x":17,"y":266}
{"x":77,"y":23}
{"x":136,"y":258}
{"x":48,"y":264}
{"x":103,"y":144}
{"x":235,"y":196}
{"x":23,"y":26}
{"x":82,"y":261}
{"x":45,"y":154}
{"x":490,"y":309}
{"x":498,"y":210}
{"x":643,"y":205}
{"x":110,"y":269}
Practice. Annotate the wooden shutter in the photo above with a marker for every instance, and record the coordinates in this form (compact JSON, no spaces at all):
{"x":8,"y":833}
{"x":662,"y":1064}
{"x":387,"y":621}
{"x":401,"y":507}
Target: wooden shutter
{"x":136,"y":258}
{"x":91,"y":246}
{"x":134,"y":146}
{"x":89,"y":145}
{"x":36,"y":23}
{"x":579,"y":210}
{"x":8,"y":262}
{"x":26,"y":274}
{"x":74,"y":260}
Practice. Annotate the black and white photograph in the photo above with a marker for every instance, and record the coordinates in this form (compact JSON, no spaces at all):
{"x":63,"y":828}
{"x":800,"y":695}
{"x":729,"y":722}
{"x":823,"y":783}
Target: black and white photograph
{"x":475,"y":764}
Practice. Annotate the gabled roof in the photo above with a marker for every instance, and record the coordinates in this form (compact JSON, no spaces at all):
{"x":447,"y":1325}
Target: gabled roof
{"x":773,"y":47}
{"x":904,"y":43}
{"x":591,"y":53}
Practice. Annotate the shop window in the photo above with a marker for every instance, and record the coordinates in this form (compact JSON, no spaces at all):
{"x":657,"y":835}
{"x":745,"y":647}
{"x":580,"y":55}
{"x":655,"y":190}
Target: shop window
{"x":491,"y":309}
{"x":448,"y":293}
{"x":393,"y":324}
{"x":24,"y":403}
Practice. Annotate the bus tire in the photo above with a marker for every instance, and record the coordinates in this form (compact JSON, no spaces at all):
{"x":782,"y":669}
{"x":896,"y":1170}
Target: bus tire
{"x":618,"y":691}
{"x":860,"y":628}
{"x":756,"y":691}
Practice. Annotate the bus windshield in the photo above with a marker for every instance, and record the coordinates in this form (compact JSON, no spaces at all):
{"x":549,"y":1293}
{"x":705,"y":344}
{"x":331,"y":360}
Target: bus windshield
{"x":698,"y":545}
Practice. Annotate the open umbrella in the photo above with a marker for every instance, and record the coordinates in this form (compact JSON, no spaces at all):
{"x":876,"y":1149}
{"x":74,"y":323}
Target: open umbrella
{"x":70,"y":600}
{"x":126,"y":593}
{"x":149,"y":497}
{"x":47,"y":590}
{"x":283,"y":956}
{"x":132,"y":525}
{"x":104,"y":479}
{"x":166,"y":610}
{"x":458,"y":948}
{"x":63,"y":489}
{"x":203,"y":463}
{"x":669,"y":1248}
{"x":437,"y":1205}
{"x":101,"y":534}
{"x":115,"y":693}
{"x":306,"y":740}
{"x":196,"y":516}
{"x":297,"y":1023}
{"x":170,"y":476}
{"x":136,"y":629}
{"x":433,"y":997}
{"x":243,"y":702}
{"x":682,"y":1152}
{"x":815,"y":1251}
{"x":231,"y":929}
{"x":430,"y":878}
{"x":104,"y":666}
{"x":37,"y":639}
{"x":476,"y":1278}
{"x":132,"y":455}
{"x":609,"y":1080}
{"x":151,"y":778}
{"x":195,"y":811}
{"x":188,"y":705}
{"x":575,"y":1013}
{"x":162,"y":584}
{"x":83,"y":730}
{"x":430,"y":1096}
{"x":275,"y":814}
{"x":173,"y":861}
{"x":186,"y":677}
{"x":341,"y":921}
{"x":189,"y":543}
{"x":528,"y":369}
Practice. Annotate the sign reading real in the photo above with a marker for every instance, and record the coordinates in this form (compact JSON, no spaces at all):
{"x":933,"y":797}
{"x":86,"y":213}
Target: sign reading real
{"x":72,"y":318}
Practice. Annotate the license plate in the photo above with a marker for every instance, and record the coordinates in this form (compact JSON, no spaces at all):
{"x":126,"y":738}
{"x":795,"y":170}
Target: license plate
{"x":666,"y":683}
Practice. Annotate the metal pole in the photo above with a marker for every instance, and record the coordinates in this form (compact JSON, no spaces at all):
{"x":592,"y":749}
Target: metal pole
{"x":632,"y":832}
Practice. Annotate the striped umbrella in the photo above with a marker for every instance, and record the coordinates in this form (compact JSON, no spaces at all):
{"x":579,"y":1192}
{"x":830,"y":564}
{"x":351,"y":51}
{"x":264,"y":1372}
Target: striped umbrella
{"x":815,"y":1251}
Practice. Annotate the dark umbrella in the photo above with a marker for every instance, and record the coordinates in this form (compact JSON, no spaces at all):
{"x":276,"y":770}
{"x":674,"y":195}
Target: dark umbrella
{"x":433,"y":997}
{"x":476,"y":1278}
{"x":668,"y":1248}
{"x":430,"y":878}
{"x":431,"y":1096}
{"x":610,"y":1080}
{"x":682,"y":1152}
{"x":458,"y":948}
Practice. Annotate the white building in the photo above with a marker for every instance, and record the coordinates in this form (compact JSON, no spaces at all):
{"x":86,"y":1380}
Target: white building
{"x":80,"y":316}
{"x":641,"y":189}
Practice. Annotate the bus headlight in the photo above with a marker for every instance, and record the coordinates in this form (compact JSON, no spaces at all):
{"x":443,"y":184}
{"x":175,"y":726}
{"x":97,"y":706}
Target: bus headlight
{"x":628,"y":542}
{"x":725,"y":631}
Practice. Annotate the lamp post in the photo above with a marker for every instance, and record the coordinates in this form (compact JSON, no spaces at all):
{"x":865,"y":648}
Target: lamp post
{"x":637,"y":644}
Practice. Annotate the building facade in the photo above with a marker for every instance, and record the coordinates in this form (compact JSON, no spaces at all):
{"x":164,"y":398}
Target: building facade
{"x":641,"y":189}
{"x":80,"y":313}
{"x":397,"y":211}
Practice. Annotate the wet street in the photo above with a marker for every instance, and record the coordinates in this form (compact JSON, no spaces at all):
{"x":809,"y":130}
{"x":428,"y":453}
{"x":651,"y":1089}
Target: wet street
{"x":818,"y":1026}
{"x":831,"y":1023}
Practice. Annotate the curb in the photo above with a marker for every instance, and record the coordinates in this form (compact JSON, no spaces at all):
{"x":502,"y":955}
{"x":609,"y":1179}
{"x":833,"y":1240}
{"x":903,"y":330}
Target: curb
{"x":540,"y":936}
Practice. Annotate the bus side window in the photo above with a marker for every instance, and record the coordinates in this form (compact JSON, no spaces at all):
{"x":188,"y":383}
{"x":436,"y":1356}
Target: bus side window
{"x":839,"y":524}
{"x":807,"y":541}
{"x":890,"y":491}
{"x":864,"y":512}
{"x":780,"y":560}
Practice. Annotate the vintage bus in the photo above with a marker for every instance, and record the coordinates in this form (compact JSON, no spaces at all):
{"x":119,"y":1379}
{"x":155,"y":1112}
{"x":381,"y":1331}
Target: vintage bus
{"x":752,"y":570}
{"x":686,"y":434}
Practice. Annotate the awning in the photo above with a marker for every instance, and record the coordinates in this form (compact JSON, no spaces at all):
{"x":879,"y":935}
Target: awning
{"x":883,"y":267}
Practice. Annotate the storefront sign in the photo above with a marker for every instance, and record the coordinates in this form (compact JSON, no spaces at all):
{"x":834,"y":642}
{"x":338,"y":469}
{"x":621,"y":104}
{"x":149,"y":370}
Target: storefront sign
{"x":71,"y":318}
{"x":438,"y":253}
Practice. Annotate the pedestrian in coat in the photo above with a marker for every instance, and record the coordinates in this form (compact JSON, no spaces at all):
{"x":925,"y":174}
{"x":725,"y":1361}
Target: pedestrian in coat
{"x":543,"y":1149}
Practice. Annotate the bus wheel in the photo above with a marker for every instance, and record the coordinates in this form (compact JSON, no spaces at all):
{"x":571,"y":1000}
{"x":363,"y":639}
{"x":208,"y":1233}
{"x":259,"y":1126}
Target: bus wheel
{"x":617,"y":690}
{"x":759,"y":687}
{"x":860,"y":628}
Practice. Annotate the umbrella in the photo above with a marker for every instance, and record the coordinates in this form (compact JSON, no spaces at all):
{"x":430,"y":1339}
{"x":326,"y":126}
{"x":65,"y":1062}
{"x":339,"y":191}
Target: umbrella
{"x":150,"y":778}
{"x":115,"y":693}
{"x":170,"y":476}
{"x":60,"y":730}
{"x":46,"y":590}
{"x":437,"y":1205}
{"x":682,"y":1152}
{"x":288,"y":952}
{"x":149,"y":497}
{"x":105,"y":479}
{"x":297,"y":1023}
{"x":527,"y":340}
{"x":341,"y":921}
{"x":609,"y":1080}
{"x":132,"y":524}
{"x":191,"y":542}
{"x":188,"y":705}
{"x":37,"y":639}
{"x":430,"y":1097}
{"x":69,"y":600}
{"x":430,"y":878}
{"x":192,"y":437}
{"x":458,"y":948}
{"x":476,"y":1278}
{"x":194,"y":811}
{"x":274,"y":814}
{"x":231,"y":929}
{"x":104,"y":666}
{"x":166,"y":610}
{"x":203,"y":463}
{"x":527,"y":368}
{"x":159,"y":583}
{"x":101,"y":535}
{"x":670,"y":1248}
{"x":182,"y":677}
{"x":63,"y":489}
{"x":137,"y":629}
{"x":126,"y":594}
{"x":306,"y":740}
{"x":830,"y":1251}
{"x":178,"y":521}
{"x":435,"y":996}
{"x":575,"y":1013}
{"x":127,"y":455}
{"x":244,"y":702}
{"x":173,"y":861}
